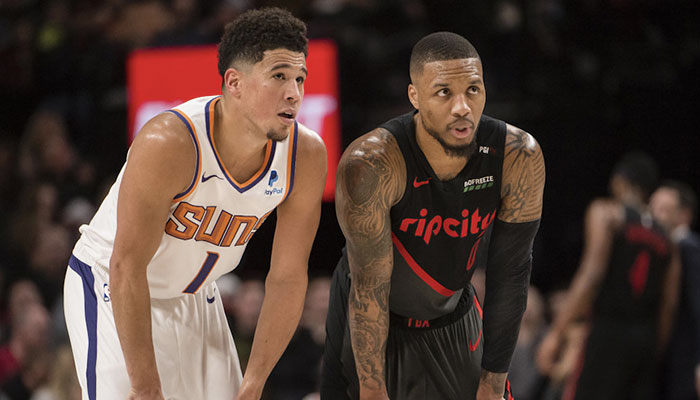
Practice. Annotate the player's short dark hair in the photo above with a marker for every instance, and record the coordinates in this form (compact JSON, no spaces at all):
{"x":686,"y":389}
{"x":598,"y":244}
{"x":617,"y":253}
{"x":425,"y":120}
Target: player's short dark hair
{"x":686,"y":195}
{"x":640,"y":170}
{"x":252,"y":33}
{"x":440,"y":46}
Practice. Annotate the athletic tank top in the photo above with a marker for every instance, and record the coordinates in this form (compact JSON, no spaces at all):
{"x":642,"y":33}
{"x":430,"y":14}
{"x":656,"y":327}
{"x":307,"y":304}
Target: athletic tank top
{"x":441,"y":229}
{"x":632,"y":288}
{"x":210,"y":223}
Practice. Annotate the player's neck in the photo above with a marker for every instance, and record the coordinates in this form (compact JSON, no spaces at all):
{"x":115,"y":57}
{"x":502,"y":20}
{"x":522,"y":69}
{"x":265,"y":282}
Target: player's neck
{"x":633,"y":200}
{"x":241,"y":146}
{"x":444,"y":165}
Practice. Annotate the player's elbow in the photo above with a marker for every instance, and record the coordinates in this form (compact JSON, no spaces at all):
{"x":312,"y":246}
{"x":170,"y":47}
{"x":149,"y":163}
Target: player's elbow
{"x":291,"y":282}
{"x":121,"y":270}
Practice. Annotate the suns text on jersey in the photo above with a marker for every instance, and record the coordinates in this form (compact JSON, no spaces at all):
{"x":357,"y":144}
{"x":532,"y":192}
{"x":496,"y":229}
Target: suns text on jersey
{"x":189,"y":221}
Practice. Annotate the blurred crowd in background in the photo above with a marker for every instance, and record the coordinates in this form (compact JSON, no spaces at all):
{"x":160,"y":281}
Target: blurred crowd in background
{"x":590,"y":79}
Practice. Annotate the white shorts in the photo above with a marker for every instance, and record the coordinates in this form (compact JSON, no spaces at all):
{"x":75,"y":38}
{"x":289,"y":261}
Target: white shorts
{"x":194,"y":350}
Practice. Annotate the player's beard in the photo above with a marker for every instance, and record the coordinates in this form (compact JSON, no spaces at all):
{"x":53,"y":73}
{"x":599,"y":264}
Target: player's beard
{"x":462,"y":151}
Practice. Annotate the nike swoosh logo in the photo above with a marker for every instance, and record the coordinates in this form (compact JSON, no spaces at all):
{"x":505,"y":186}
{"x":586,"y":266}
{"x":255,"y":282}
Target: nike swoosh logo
{"x":211,"y":300}
{"x":206,"y":178}
{"x":417,"y":183}
{"x":472,"y":347}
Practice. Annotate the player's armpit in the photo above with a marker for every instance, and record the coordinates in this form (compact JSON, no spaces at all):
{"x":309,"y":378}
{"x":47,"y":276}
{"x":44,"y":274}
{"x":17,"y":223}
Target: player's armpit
{"x":523,"y":178}
{"x":371,"y":179}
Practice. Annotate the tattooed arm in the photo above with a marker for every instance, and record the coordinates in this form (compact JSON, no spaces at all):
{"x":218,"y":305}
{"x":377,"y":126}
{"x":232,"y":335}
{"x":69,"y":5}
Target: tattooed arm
{"x":371,"y":179}
{"x":509,"y":258}
{"x":523,"y":178}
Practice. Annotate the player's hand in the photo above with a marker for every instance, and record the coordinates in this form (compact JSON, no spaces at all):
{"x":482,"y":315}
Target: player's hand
{"x":485,"y":392}
{"x":548,"y":352}
{"x":147,"y":394}
{"x":249,"y":392}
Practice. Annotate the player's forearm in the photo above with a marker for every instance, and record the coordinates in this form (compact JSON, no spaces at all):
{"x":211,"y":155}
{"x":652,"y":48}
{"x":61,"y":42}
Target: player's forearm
{"x":369,"y":327}
{"x":507,"y":281}
{"x":279,"y":318}
{"x":579,"y":300}
{"x":131,"y":305}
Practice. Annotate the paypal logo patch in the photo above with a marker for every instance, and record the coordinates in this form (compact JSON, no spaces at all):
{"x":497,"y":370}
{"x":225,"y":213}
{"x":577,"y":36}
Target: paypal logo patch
{"x":273,"y":178}
{"x":273,"y":190}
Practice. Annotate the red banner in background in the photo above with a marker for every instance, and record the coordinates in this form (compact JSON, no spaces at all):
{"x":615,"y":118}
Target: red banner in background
{"x":159,"y":79}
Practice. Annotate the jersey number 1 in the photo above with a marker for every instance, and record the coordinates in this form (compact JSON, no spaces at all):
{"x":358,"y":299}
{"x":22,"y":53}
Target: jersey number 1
{"x":639,"y":273}
{"x":204,"y":271}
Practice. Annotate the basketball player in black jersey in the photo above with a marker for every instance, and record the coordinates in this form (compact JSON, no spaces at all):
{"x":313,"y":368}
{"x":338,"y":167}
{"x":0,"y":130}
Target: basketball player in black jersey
{"x":628,"y":279}
{"x":422,"y":200}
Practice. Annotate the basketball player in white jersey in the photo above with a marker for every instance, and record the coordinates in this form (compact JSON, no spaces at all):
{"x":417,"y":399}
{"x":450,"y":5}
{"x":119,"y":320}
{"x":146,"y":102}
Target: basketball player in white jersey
{"x":143,"y":313}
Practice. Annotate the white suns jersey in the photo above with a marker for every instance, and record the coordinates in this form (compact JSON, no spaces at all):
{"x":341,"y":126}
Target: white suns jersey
{"x":210,"y":223}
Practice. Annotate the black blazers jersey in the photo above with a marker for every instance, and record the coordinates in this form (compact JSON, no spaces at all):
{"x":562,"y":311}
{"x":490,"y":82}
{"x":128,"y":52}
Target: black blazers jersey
{"x":441,"y":229}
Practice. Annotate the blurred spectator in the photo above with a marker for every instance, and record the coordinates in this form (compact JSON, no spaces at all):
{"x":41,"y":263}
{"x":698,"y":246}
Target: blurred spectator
{"x":62,"y":383}
{"x":674,"y":205}
{"x":77,"y":212}
{"x":298,"y":371}
{"x":526,"y":381}
{"x":31,"y":376}
{"x":46,"y":151}
{"x":313,"y":318}
{"x":28,"y":343}
{"x":38,"y":205}
{"x":228,"y":285}
{"x":47,"y":154}
{"x":21,"y":293}
{"x":48,"y":261}
{"x":8,"y":177}
{"x":187,"y":28}
{"x":247,"y":304}
{"x":138,"y":23}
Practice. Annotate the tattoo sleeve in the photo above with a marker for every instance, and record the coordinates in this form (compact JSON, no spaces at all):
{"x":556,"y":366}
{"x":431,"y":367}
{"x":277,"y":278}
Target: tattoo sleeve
{"x":523,"y":178}
{"x":371,"y":178}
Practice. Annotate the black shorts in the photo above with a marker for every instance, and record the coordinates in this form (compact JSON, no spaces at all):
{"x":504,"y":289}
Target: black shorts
{"x":618,"y":362}
{"x":436,"y":359}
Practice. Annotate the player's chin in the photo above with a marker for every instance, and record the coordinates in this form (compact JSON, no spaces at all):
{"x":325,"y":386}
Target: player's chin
{"x":278,"y":135}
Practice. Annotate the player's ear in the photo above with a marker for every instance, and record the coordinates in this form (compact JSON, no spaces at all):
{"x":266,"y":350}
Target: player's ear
{"x":232,"y":81}
{"x":413,"y":95}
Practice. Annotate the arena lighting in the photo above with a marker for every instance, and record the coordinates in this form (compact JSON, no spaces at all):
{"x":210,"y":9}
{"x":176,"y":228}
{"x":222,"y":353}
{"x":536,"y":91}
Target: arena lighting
{"x":161,"y":78}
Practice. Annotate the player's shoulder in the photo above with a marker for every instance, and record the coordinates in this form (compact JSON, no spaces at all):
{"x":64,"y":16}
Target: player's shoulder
{"x":310,"y":142}
{"x":372,"y":164}
{"x":520,"y":141}
{"x":163,"y":148}
{"x":605,"y":211}
{"x":311,"y":156}
{"x":166,"y":131}
{"x":377,"y":145}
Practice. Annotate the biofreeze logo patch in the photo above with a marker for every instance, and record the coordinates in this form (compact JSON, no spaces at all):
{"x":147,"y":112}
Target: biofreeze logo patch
{"x":478,"y":183}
